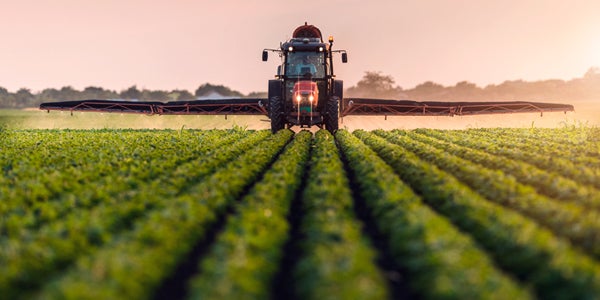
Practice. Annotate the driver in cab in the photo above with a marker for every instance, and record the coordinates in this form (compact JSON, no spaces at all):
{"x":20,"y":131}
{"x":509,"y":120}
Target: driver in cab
{"x":305,"y":67}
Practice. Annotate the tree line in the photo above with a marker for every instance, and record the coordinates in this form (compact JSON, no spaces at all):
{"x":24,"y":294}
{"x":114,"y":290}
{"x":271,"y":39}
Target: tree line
{"x":25,"y":98}
{"x":372,"y":85}
{"x":377,"y":85}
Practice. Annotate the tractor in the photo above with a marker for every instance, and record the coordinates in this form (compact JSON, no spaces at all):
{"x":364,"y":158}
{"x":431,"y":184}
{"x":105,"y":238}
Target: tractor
{"x":305,"y":92}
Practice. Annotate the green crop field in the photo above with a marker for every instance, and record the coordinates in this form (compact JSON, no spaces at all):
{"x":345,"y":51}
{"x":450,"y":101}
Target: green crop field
{"x":246,"y":214}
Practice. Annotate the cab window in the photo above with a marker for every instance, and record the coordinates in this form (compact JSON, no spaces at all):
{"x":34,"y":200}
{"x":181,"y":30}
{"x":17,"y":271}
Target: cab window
{"x":301,"y":64}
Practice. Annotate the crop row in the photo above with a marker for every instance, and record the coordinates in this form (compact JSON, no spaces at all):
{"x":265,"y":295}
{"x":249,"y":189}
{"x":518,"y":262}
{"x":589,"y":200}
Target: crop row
{"x":571,"y":153}
{"x":46,"y":168}
{"x":442,"y":262}
{"x":247,"y":254}
{"x":519,"y":245}
{"x":105,"y":196}
{"x":159,"y":240}
{"x":229,"y":214}
{"x":550,"y":184}
{"x":34,"y":254}
{"x":580,"y":225}
{"x":583,"y":144}
{"x":333,"y":260}
{"x":135,"y":165}
{"x":558,"y":163}
{"x":336,"y":260}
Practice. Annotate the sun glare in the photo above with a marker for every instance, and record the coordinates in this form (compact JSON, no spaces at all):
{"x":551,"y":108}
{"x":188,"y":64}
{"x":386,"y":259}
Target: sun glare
{"x":593,"y":49}
{"x":595,"y":52}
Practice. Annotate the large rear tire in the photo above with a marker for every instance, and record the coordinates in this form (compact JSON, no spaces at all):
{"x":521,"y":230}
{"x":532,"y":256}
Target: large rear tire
{"x":331,"y":119}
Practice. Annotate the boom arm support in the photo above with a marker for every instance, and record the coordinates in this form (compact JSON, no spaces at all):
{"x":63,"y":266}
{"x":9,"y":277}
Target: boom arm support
{"x":242,"y":106}
{"x":365,"y":106}
{"x":349,"y":106}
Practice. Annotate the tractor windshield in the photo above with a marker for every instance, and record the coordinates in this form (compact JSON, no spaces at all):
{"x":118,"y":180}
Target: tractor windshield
{"x":305,"y":64}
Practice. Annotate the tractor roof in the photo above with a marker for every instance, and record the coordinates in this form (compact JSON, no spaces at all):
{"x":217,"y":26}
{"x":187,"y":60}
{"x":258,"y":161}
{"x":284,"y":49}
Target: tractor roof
{"x":305,"y":38}
{"x":307,"y":31}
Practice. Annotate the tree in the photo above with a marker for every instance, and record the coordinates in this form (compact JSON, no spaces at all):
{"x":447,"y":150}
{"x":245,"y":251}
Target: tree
{"x":92,"y":92}
{"x":131,"y":93}
{"x":24,"y":98}
{"x":375,"y":85}
{"x":49,"y":95}
{"x":157,"y":95}
{"x":68,"y":93}
{"x":178,"y":95}
{"x":465,"y":90}
{"x":207,"y":89}
{"x":6,"y":98}
{"x":428,"y":90}
{"x":592,"y":73}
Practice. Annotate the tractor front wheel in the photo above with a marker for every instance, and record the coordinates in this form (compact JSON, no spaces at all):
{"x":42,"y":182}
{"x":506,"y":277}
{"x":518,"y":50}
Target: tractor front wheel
{"x":276,"y":105}
{"x":276,"y":113}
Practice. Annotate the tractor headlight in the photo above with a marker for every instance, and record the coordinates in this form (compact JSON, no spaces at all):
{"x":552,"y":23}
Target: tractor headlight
{"x":311,"y":98}
{"x":298,"y":98}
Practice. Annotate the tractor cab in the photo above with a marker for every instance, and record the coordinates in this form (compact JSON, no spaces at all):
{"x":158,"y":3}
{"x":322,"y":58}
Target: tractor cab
{"x":305,"y":65}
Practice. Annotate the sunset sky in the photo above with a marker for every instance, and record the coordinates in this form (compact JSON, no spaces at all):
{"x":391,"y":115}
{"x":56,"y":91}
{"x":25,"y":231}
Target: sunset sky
{"x":180,"y":44}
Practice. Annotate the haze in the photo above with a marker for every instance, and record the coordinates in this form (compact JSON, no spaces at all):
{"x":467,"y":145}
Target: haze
{"x":181,"y":44}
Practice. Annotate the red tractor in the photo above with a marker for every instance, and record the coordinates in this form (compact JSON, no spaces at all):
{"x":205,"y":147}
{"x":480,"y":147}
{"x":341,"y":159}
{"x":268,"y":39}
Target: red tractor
{"x":305,"y":92}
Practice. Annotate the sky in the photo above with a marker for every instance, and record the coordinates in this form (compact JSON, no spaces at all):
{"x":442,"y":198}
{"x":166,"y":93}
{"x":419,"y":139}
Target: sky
{"x":181,"y":44}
